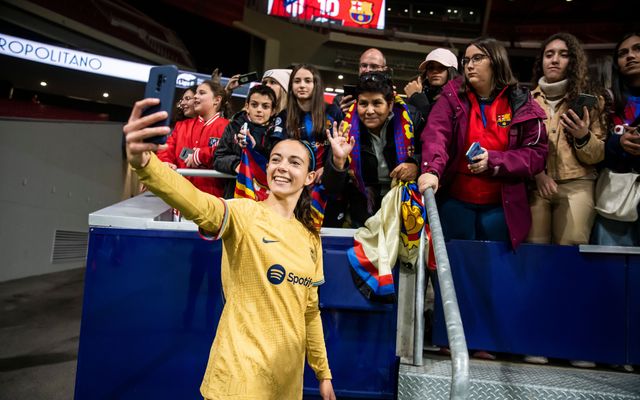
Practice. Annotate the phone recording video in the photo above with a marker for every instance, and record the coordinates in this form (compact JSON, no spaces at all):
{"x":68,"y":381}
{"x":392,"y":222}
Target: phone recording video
{"x":246,"y":78}
{"x":349,"y":90}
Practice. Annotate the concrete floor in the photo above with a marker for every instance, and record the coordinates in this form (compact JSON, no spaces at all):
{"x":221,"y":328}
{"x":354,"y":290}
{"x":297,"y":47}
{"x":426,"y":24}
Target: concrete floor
{"x":39,"y":331}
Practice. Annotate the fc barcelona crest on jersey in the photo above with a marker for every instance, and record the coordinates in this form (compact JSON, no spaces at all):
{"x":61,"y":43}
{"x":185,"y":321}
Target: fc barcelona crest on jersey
{"x":361,"y":12}
{"x":504,"y":120}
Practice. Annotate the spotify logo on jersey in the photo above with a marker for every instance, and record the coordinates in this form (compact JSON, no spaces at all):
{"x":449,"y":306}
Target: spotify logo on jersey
{"x":275,"y":274}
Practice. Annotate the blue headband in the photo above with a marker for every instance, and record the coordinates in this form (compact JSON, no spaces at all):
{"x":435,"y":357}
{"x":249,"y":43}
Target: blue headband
{"x":312,"y":155}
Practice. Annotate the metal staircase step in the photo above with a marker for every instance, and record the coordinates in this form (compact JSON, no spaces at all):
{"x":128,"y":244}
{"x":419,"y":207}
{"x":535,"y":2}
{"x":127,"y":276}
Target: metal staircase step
{"x":498,"y":380}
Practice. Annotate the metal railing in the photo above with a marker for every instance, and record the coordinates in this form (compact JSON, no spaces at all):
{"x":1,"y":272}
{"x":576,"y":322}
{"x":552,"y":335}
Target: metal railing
{"x":455,"y":331}
{"x":205,"y":173}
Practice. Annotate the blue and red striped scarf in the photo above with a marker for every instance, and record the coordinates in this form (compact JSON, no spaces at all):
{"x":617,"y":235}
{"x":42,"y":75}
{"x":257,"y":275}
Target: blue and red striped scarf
{"x":251,"y":182}
{"x":402,"y":133}
{"x":374,"y":271}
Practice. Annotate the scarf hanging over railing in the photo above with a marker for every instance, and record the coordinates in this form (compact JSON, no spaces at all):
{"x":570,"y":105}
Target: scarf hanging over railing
{"x":392,"y":233}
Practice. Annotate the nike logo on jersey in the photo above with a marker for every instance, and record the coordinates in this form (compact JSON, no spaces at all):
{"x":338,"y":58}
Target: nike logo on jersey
{"x":265,"y":240}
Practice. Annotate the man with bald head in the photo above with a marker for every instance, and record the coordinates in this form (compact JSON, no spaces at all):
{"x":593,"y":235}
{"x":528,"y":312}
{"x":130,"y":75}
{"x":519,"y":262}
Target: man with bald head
{"x":370,"y":60}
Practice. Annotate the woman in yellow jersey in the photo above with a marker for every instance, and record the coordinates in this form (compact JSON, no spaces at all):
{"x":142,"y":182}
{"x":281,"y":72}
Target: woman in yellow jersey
{"x":271,"y":268}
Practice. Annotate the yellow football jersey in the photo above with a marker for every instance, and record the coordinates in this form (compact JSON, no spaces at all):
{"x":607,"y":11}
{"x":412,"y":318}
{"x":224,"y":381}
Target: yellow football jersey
{"x":271,"y":267}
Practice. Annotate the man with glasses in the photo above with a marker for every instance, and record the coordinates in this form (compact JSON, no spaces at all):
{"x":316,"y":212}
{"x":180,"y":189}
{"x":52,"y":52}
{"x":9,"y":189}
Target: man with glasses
{"x":372,"y":60}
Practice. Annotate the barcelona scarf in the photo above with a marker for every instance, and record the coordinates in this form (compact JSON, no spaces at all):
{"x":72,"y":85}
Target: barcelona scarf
{"x":251,"y":182}
{"x":402,"y":134}
{"x":392,"y":233}
{"x":318,"y":193}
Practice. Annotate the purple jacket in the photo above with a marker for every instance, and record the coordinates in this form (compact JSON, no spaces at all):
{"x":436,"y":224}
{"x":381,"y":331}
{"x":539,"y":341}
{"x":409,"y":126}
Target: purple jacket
{"x":445,"y":136}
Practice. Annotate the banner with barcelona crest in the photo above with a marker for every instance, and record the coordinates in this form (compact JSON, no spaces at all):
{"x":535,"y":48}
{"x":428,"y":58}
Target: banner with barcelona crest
{"x":368,"y":14}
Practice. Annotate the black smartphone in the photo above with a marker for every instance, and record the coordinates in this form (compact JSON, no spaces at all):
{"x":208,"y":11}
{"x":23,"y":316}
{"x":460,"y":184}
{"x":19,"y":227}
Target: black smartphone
{"x":161,"y":85}
{"x":349,"y":90}
{"x":582,"y":100}
{"x":246,"y":78}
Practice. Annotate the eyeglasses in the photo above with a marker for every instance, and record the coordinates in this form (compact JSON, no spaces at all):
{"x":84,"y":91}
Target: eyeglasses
{"x":371,"y":67}
{"x":475,"y":60}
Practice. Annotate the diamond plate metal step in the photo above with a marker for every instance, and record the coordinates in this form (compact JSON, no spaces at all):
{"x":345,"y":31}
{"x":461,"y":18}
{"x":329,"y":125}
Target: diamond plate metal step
{"x":497,"y":380}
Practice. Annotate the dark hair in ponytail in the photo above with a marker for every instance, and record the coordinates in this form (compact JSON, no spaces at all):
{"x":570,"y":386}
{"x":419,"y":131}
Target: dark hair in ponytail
{"x":302,"y":211}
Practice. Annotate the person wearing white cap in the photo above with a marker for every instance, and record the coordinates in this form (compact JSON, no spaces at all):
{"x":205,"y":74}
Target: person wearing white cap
{"x":278,"y":80}
{"x":440,"y":66}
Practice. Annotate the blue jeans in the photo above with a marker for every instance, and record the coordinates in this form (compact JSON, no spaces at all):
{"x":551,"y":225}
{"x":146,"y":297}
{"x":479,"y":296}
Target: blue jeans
{"x":609,"y":232}
{"x":461,"y":220}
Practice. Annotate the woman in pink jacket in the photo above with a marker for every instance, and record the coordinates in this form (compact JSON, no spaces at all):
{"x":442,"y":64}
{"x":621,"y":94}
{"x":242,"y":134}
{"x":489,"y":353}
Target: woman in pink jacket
{"x":484,"y":198}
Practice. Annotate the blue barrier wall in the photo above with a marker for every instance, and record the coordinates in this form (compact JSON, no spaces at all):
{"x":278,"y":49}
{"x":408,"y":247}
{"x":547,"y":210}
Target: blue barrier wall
{"x":152,"y":300}
{"x":633,"y":289}
{"x":545,"y":300}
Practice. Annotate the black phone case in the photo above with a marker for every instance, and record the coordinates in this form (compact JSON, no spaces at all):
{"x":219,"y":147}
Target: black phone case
{"x":246,"y":78}
{"x":349,"y":90}
{"x":161,"y":85}
{"x":583,"y":100}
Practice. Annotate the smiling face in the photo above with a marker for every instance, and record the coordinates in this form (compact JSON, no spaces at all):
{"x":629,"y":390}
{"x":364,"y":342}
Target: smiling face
{"x":260,"y":108}
{"x":629,"y":58}
{"x":288,"y":168}
{"x":205,"y":103}
{"x":373,"y":110}
{"x":555,"y":60}
{"x":186,"y":103}
{"x":303,"y":85}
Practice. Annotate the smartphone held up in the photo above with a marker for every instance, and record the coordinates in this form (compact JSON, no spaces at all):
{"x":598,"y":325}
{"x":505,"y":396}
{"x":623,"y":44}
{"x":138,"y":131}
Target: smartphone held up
{"x":161,"y":85}
{"x":583,"y":100}
{"x":246,"y":78}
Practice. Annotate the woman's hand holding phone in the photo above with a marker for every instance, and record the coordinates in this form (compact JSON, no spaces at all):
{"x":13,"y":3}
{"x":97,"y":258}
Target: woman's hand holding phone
{"x":573,"y":125}
{"x":139,"y":128}
{"x":630,"y":140}
{"x":480,"y":162}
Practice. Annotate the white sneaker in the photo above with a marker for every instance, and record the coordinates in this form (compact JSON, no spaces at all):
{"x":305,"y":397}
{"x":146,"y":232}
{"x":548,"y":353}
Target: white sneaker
{"x":623,"y":368}
{"x":583,"y":364}
{"x":541,"y":360}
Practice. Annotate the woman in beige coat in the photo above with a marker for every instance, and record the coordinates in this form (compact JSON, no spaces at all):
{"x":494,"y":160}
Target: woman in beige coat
{"x":562,"y":204}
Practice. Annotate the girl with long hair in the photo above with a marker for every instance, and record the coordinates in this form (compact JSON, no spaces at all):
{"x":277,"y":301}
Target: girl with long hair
{"x":193,"y":141}
{"x":562,"y":203}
